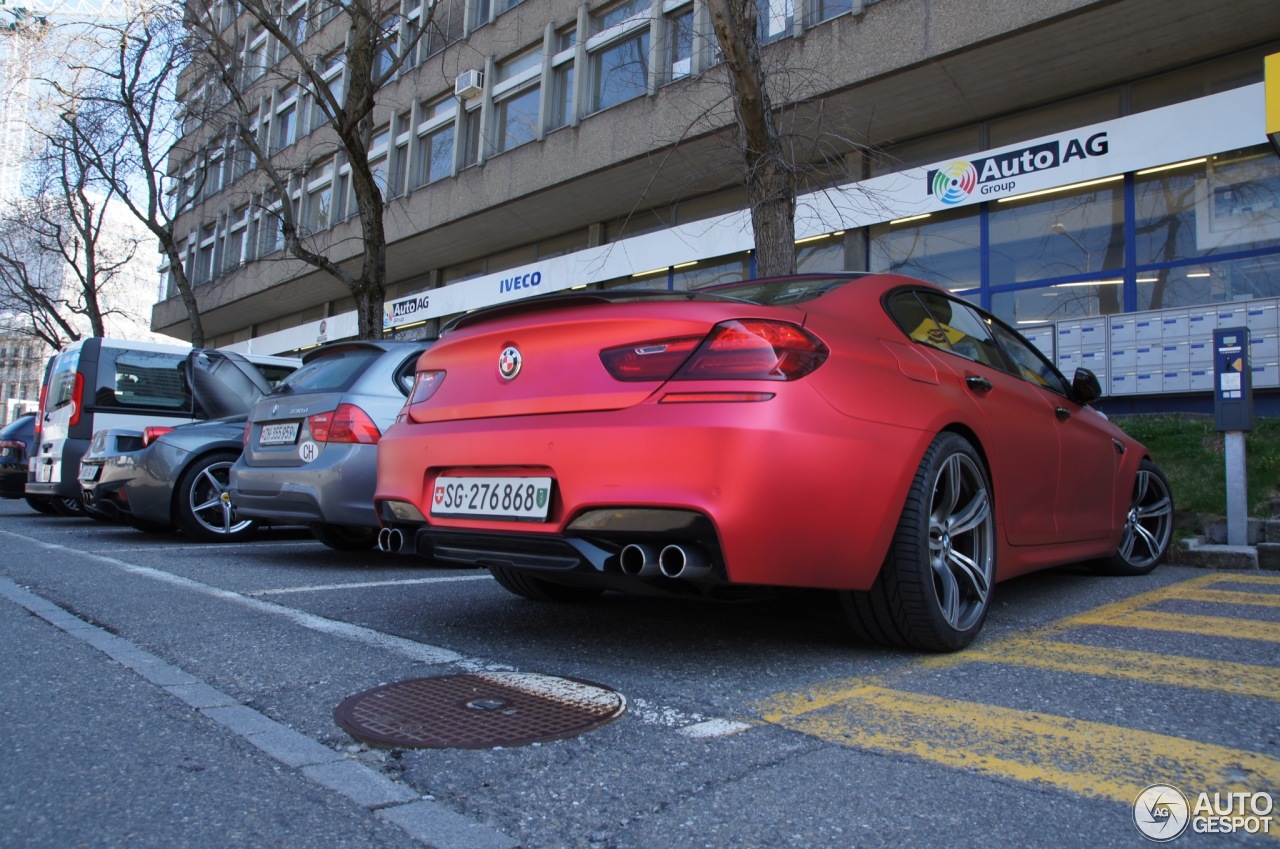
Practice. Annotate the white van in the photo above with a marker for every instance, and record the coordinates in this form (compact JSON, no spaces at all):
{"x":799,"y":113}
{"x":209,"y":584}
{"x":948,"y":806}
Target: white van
{"x":97,"y":383}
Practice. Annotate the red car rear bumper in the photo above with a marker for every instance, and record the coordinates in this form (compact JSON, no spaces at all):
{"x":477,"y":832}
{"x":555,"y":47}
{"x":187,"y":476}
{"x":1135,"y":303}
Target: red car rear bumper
{"x":798,"y":494}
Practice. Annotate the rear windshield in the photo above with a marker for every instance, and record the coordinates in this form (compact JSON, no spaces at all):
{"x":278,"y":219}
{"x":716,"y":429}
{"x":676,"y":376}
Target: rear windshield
{"x":147,"y":379}
{"x":781,"y":291}
{"x":334,"y":372}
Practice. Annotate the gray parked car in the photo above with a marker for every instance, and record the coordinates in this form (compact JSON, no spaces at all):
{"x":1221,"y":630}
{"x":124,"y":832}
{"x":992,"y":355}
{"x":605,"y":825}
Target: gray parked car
{"x":165,"y":478}
{"x":310,"y":454}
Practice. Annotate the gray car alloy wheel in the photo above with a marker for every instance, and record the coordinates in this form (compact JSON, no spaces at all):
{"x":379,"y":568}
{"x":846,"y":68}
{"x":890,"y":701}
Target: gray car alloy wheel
{"x":961,"y":541}
{"x":1148,"y":527}
{"x":934,"y":589}
{"x":204,"y":505}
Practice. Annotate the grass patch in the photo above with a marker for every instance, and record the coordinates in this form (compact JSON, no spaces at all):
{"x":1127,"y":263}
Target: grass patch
{"x":1190,"y":452}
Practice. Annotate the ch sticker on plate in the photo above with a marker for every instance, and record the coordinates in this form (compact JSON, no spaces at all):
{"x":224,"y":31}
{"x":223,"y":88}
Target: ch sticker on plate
{"x":308,"y":451}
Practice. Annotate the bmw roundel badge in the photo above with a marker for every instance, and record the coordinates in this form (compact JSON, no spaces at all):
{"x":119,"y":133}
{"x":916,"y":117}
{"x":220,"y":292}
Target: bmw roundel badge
{"x":509,"y":362}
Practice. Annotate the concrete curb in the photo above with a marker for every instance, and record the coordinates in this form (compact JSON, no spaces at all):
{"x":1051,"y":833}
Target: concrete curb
{"x":1208,"y":555}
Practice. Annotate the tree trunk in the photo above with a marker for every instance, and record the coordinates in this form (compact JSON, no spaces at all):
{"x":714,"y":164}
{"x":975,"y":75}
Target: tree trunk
{"x":770,"y":176}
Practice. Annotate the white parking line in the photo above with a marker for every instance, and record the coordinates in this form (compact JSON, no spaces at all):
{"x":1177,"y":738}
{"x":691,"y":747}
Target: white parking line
{"x":318,"y":588}
{"x":179,"y":545}
{"x":422,"y":652}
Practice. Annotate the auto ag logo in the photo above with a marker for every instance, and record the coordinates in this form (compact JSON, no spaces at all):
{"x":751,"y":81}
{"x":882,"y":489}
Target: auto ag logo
{"x":509,"y":362}
{"x":1160,"y":812}
{"x":955,"y":182}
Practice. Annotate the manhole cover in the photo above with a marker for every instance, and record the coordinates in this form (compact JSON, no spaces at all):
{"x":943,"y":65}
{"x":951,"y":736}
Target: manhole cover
{"x":477,"y":711}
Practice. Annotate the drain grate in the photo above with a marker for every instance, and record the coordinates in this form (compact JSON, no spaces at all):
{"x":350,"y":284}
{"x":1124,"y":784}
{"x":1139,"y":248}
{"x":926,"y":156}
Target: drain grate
{"x":477,"y":711}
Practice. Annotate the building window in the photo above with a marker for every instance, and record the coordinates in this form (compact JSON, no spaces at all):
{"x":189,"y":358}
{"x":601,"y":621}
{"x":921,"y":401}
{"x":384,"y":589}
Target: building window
{"x":333,"y":79}
{"x":679,"y":36}
{"x":620,"y":72}
{"x":319,"y":198}
{"x":619,"y":54}
{"x":435,"y":140}
{"x":943,"y":248}
{"x":390,"y":48}
{"x":255,"y":54}
{"x":412,"y":35}
{"x":517,"y":96}
{"x":562,"y":108}
{"x":400,"y":155}
{"x":285,"y":129}
{"x":238,"y":228}
{"x":295,"y":24}
{"x":471,"y":136}
{"x":205,"y":268}
{"x":825,"y":10}
{"x":380,"y":157}
{"x":270,"y":223}
{"x":776,"y":18}
{"x":1210,"y":207}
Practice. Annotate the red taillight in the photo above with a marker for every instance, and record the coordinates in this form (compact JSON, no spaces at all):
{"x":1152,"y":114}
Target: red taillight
{"x":348,"y":423}
{"x":755,"y":349}
{"x":151,"y":434}
{"x":656,"y":360}
{"x":747,"y":349}
{"x":39,"y":422}
{"x":248,"y":428}
{"x":77,"y":396}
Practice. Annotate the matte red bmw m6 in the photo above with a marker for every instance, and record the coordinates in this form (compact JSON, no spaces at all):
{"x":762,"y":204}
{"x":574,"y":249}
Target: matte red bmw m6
{"x":868,"y":434}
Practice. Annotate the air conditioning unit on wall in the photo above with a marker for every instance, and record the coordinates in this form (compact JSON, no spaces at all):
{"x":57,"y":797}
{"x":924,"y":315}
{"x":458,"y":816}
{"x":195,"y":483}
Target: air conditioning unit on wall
{"x":469,"y":85}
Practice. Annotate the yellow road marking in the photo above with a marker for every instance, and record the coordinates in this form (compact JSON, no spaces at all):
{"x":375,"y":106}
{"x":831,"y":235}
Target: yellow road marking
{"x":1185,"y":623}
{"x":1217,"y":676}
{"x":1087,"y":758}
{"x":1231,"y":597}
{"x":1083,"y":757}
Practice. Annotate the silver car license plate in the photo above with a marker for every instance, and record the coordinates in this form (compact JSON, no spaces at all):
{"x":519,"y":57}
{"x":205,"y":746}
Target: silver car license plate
{"x":279,"y":434}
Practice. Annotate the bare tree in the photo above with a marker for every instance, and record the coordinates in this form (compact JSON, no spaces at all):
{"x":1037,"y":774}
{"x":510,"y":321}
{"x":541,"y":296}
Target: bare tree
{"x":122,"y":115}
{"x":33,"y":294}
{"x":365,"y":38}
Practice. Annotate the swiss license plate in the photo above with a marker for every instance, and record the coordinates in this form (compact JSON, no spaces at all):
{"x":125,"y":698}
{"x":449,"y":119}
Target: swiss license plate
{"x":279,"y":434}
{"x":492,"y":498}
{"x":89,"y":472}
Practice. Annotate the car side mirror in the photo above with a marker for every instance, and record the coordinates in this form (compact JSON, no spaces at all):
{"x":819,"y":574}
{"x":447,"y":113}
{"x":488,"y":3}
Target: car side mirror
{"x":1085,"y":386}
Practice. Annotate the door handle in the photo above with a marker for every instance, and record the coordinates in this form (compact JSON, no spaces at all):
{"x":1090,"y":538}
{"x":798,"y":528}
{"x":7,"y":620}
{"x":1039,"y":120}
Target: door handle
{"x":1062,"y":413}
{"x":978,"y":382}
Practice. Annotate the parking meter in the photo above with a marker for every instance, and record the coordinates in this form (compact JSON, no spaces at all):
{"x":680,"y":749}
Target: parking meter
{"x":1232,"y":380}
{"x":1233,"y":415}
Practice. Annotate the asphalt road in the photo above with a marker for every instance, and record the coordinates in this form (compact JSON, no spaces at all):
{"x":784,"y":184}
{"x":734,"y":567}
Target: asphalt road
{"x":160,"y":693}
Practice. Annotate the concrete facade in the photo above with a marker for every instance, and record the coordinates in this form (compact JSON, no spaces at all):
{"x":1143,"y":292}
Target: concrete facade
{"x":886,"y":76}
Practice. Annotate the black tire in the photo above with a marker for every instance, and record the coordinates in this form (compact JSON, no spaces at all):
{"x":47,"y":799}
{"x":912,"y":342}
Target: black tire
{"x":40,"y":504}
{"x":343,"y":538}
{"x":527,"y":586}
{"x":934,"y":589}
{"x":70,"y":507}
{"x":202,"y":507}
{"x":1148,"y":529}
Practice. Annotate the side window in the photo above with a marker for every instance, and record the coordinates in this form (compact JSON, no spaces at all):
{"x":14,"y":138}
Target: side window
{"x":1030,"y":363}
{"x":144,"y":379}
{"x":939,"y":321}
